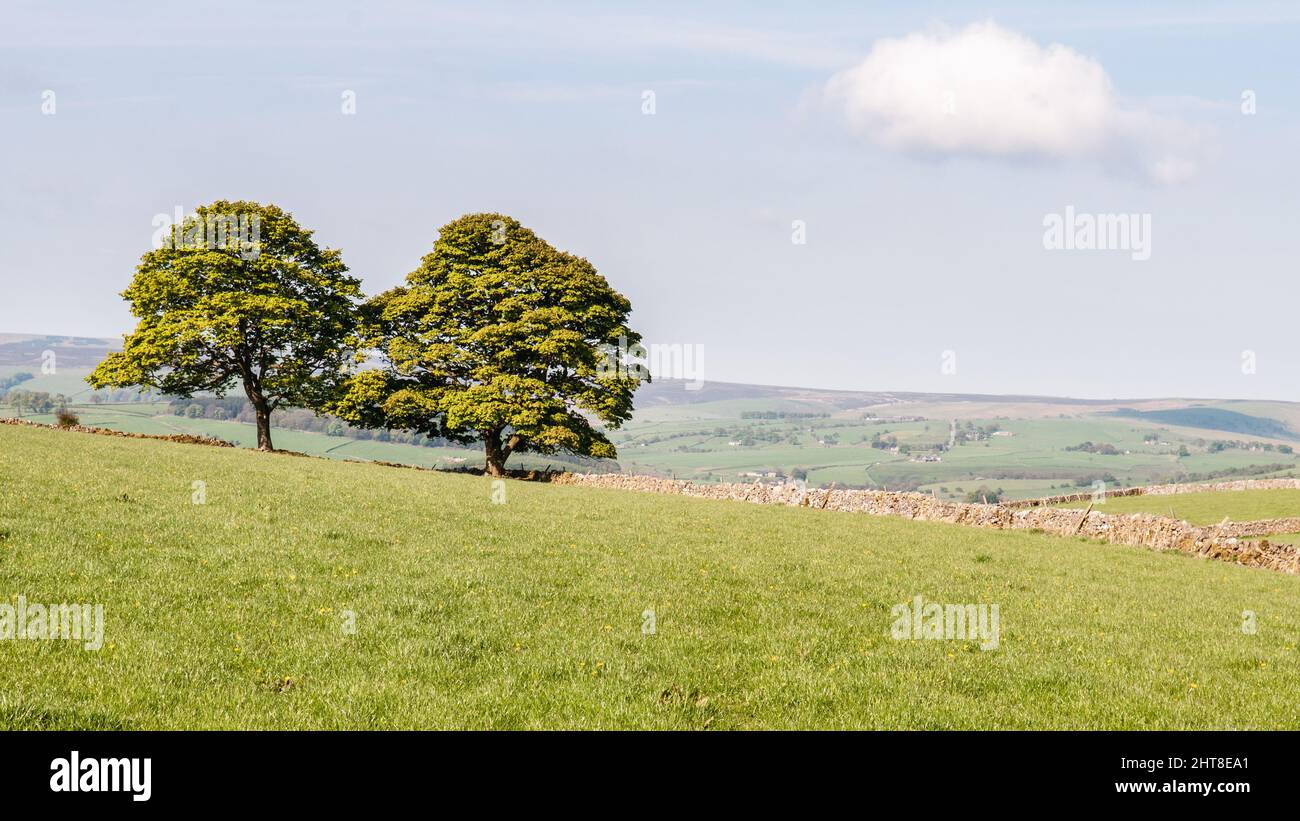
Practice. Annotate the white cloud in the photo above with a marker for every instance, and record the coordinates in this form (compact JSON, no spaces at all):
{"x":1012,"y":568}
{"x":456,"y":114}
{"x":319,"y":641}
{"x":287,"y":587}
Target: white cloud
{"x":987,"y":91}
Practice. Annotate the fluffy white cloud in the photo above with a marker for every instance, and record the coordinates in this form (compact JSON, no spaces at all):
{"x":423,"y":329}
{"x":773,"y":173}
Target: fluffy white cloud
{"x":986,"y":90}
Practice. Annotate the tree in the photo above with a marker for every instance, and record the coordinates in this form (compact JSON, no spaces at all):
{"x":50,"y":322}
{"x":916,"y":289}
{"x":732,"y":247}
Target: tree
{"x":984,"y":496}
{"x":37,"y":402}
{"x":499,"y":337}
{"x":240,"y":294}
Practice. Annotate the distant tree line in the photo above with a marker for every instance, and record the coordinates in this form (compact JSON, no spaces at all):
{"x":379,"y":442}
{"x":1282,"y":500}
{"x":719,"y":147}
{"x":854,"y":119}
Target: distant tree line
{"x":24,"y":401}
{"x":970,"y":432}
{"x":1220,"y":445}
{"x":984,"y":495}
{"x":1101,"y":448}
{"x":10,"y":381}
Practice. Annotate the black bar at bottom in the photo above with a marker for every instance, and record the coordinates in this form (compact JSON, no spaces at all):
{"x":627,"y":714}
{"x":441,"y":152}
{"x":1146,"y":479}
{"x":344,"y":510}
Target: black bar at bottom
{"x":299,"y":770}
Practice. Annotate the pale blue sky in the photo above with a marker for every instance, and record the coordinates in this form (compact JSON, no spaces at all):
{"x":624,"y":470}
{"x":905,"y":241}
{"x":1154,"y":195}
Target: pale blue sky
{"x":536,"y":110}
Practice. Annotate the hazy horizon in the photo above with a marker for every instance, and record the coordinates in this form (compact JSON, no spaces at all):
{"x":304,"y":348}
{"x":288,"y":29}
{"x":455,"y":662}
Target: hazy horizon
{"x":659,"y":383}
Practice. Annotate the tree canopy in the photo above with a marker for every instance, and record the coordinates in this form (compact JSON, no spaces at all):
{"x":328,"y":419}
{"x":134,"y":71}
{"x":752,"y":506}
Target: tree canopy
{"x":239,"y":294}
{"x":499,"y":337}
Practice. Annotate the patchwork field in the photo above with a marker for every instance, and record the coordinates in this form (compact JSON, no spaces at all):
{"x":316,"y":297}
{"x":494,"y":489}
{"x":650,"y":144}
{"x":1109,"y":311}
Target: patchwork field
{"x":1025,"y":456}
{"x":534,"y":613}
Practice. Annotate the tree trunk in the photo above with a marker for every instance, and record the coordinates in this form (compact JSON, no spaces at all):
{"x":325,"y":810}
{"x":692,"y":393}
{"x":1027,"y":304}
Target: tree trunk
{"x":263,"y":410}
{"x":495,"y":464}
{"x":497,"y":453}
{"x":261,"y":407}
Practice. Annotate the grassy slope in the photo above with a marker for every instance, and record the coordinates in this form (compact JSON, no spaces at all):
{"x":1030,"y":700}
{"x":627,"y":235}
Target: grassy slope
{"x":1210,"y":508}
{"x":529,"y":614}
{"x":152,"y":419}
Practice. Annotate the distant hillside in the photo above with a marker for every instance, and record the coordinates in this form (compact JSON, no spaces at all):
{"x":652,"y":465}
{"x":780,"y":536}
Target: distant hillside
{"x":675,"y":392}
{"x":70,"y":351}
{"x":1214,"y":419}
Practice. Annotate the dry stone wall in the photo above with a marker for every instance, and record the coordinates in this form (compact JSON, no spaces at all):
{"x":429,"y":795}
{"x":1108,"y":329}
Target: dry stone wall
{"x":1259,"y":527}
{"x":1236,"y":484}
{"x":1143,"y":529}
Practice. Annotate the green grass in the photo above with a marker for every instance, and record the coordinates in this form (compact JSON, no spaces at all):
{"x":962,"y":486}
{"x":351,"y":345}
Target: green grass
{"x":1285,"y":538}
{"x":528,"y":614}
{"x":1209,"y":508}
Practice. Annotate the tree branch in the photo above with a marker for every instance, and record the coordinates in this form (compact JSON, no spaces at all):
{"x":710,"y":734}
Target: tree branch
{"x":510,"y":446}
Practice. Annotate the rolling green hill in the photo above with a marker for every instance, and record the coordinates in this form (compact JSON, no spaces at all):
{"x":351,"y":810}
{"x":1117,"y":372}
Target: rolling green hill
{"x":532,"y":613}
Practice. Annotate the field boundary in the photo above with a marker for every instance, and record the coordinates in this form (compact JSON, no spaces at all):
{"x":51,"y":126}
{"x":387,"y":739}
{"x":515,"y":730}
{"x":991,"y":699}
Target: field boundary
{"x":1136,"y":529}
{"x":182,"y":438}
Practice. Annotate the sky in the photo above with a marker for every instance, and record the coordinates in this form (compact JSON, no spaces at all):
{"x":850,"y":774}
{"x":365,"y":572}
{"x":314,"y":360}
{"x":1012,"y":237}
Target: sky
{"x":848,"y":195}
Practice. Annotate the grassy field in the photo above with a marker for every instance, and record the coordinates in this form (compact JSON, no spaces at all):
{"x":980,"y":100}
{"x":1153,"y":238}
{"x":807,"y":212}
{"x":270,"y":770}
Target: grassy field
{"x":530,"y":614}
{"x":1209,"y":508}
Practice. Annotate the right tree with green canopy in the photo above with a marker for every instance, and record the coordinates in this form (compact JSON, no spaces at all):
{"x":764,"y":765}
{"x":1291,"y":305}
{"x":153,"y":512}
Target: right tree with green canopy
{"x":499,"y":337}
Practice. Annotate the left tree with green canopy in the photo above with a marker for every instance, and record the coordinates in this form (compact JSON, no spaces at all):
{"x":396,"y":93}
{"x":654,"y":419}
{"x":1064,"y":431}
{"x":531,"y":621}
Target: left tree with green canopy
{"x":239,"y":295}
